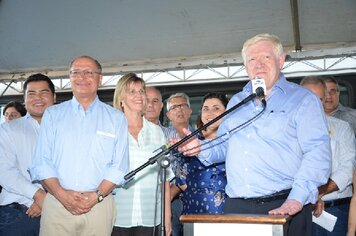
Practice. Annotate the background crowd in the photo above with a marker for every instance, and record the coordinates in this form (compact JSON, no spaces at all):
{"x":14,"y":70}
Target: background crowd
{"x":63,"y":166}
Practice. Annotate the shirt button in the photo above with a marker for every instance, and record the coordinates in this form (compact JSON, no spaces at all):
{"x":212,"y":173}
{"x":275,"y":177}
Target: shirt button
{"x":245,"y":152}
{"x":246,"y":169}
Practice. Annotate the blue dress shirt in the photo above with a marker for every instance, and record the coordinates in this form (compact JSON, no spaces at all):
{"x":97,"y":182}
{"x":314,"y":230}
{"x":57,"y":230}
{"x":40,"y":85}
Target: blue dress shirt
{"x":17,"y":143}
{"x":287,"y":147}
{"x":82,"y":147}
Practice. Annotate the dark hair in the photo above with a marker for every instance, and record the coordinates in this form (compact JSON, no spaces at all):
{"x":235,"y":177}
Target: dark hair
{"x":17,"y":105}
{"x":223,"y":99}
{"x":36,"y":78}
{"x":331,"y":79}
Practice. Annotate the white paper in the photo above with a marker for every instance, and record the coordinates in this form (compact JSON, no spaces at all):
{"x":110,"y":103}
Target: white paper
{"x":325,"y":220}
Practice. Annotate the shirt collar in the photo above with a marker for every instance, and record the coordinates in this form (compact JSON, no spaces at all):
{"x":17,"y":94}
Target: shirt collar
{"x":78,"y":107}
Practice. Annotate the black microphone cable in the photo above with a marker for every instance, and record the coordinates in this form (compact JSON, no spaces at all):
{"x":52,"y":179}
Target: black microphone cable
{"x":230,"y":132}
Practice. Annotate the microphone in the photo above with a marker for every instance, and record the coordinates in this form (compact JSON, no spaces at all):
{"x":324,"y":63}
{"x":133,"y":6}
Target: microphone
{"x":259,"y":87}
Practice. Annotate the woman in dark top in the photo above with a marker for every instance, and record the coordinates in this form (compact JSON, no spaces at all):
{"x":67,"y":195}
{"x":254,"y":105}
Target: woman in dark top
{"x":205,"y":192}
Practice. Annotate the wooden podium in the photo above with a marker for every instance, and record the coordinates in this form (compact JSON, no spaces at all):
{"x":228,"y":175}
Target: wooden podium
{"x":261,"y":225}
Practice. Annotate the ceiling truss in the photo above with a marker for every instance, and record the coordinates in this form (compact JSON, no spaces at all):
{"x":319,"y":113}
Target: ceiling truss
{"x":344,"y":64}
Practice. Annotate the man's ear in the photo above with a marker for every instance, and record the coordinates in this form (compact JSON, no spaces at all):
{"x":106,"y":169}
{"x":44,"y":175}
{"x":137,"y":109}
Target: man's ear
{"x":168,"y":114}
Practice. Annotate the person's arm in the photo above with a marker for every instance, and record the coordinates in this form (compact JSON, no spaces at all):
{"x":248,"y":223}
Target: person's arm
{"x":11,"y":177}
{"x":119,"y":165}
{"x":329,"y":187}
{"x":168,"y":211}
{"x":92,"y":198}
{"x":73,"y":201}
{"x":176,"y":189}
{"x":315,"y":167}
{"x":343,"y":151}
{"x":352,"y":212}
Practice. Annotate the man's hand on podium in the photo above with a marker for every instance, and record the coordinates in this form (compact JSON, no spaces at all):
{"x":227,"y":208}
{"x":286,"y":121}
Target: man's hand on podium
{"x":289,"y":207}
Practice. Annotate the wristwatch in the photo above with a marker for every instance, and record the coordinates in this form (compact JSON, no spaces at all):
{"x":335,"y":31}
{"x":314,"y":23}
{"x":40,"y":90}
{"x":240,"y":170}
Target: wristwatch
{"x":100,"y":195}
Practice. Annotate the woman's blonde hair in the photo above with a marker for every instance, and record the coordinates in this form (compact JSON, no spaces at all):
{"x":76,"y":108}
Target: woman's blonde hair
{"x":121,"y":86}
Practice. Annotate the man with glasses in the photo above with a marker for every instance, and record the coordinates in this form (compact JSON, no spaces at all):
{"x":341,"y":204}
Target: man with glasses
{"x":335,"y":195}
{"x":178,"y":112}
{"x":332,"y":105}
{"x":20,"y":199}
{"x":81,"y":155}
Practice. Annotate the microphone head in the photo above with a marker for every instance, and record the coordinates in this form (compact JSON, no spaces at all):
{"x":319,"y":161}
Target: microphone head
{"x":260,"y":92}
{"x":259,"y":87}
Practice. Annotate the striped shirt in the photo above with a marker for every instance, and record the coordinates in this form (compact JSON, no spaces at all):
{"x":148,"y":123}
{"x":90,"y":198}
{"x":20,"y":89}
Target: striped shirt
{"x":137,"y":202}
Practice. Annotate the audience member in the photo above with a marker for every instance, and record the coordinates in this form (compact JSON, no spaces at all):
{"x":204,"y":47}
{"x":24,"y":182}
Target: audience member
{"x":20,"y":199}
{"x":178,"y":112}
{"x":275,"y":164}
{"x":154,"y":105}
{"x":81,"y":155}
{"x":138,"y":204}
{"x":352,"y":212}
{"x":13,"y":110}
{"x":332,"y":105}
{"x":205,"y":192}
{"x":334,"y":197}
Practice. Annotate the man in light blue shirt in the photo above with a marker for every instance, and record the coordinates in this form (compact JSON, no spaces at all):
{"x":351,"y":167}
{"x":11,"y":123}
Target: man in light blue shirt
{"x":20,"y":199}
{"x":81,"y":155}
{"x":276,"y":163}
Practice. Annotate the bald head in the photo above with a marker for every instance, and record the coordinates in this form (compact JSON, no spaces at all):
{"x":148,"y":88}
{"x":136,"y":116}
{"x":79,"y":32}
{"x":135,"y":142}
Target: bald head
{"x":154,"y":104}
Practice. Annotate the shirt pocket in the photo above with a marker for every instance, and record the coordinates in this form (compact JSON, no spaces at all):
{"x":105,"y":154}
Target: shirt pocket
{"x":105,"y":148}
{"x":273,"y":125}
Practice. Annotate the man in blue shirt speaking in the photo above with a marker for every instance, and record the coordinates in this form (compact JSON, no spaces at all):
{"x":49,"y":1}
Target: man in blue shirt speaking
{"x":275,"y":164}
{"x":81,"y":155}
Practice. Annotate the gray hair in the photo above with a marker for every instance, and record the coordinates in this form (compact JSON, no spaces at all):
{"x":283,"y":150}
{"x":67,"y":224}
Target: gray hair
{"x":277,"y":45}
{"x":180,"y":95}
{"x":313,"y":80}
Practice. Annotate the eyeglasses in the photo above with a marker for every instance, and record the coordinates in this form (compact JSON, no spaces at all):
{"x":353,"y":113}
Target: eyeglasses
{"x":84,"y":73}
{"x":134,"y":92}
{"x":179,"y":106}
{"x":332,"y":92}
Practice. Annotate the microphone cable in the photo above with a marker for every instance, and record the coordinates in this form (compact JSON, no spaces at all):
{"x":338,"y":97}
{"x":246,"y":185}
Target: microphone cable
{"x":230,"y":132}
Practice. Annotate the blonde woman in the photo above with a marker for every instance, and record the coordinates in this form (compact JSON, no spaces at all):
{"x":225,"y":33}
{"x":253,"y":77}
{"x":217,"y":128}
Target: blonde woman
{"x":137,"y":204}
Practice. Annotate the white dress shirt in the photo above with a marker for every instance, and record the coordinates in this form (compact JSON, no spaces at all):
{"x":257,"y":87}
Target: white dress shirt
{"x":17,"y":143}
{"x":342,"y":140}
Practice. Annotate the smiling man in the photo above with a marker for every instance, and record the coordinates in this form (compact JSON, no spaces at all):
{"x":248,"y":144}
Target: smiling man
{"x":20,"y":199}
{"x":81,"y":155}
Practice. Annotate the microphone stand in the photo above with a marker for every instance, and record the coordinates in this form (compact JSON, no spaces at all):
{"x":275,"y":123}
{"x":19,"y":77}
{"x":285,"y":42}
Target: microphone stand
{"x":165,"y":151}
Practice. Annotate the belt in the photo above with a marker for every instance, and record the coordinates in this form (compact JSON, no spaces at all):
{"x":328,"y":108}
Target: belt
{"x":269,"y":198}
{"x":16,"y":206}
{"x":337,"y":202}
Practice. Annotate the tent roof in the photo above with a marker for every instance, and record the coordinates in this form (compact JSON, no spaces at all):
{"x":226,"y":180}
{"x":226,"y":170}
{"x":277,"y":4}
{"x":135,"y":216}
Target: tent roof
{"x":149,"y":35}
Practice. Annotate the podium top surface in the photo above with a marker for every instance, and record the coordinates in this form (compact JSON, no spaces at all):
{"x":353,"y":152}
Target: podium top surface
{"x":236,"y":218}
